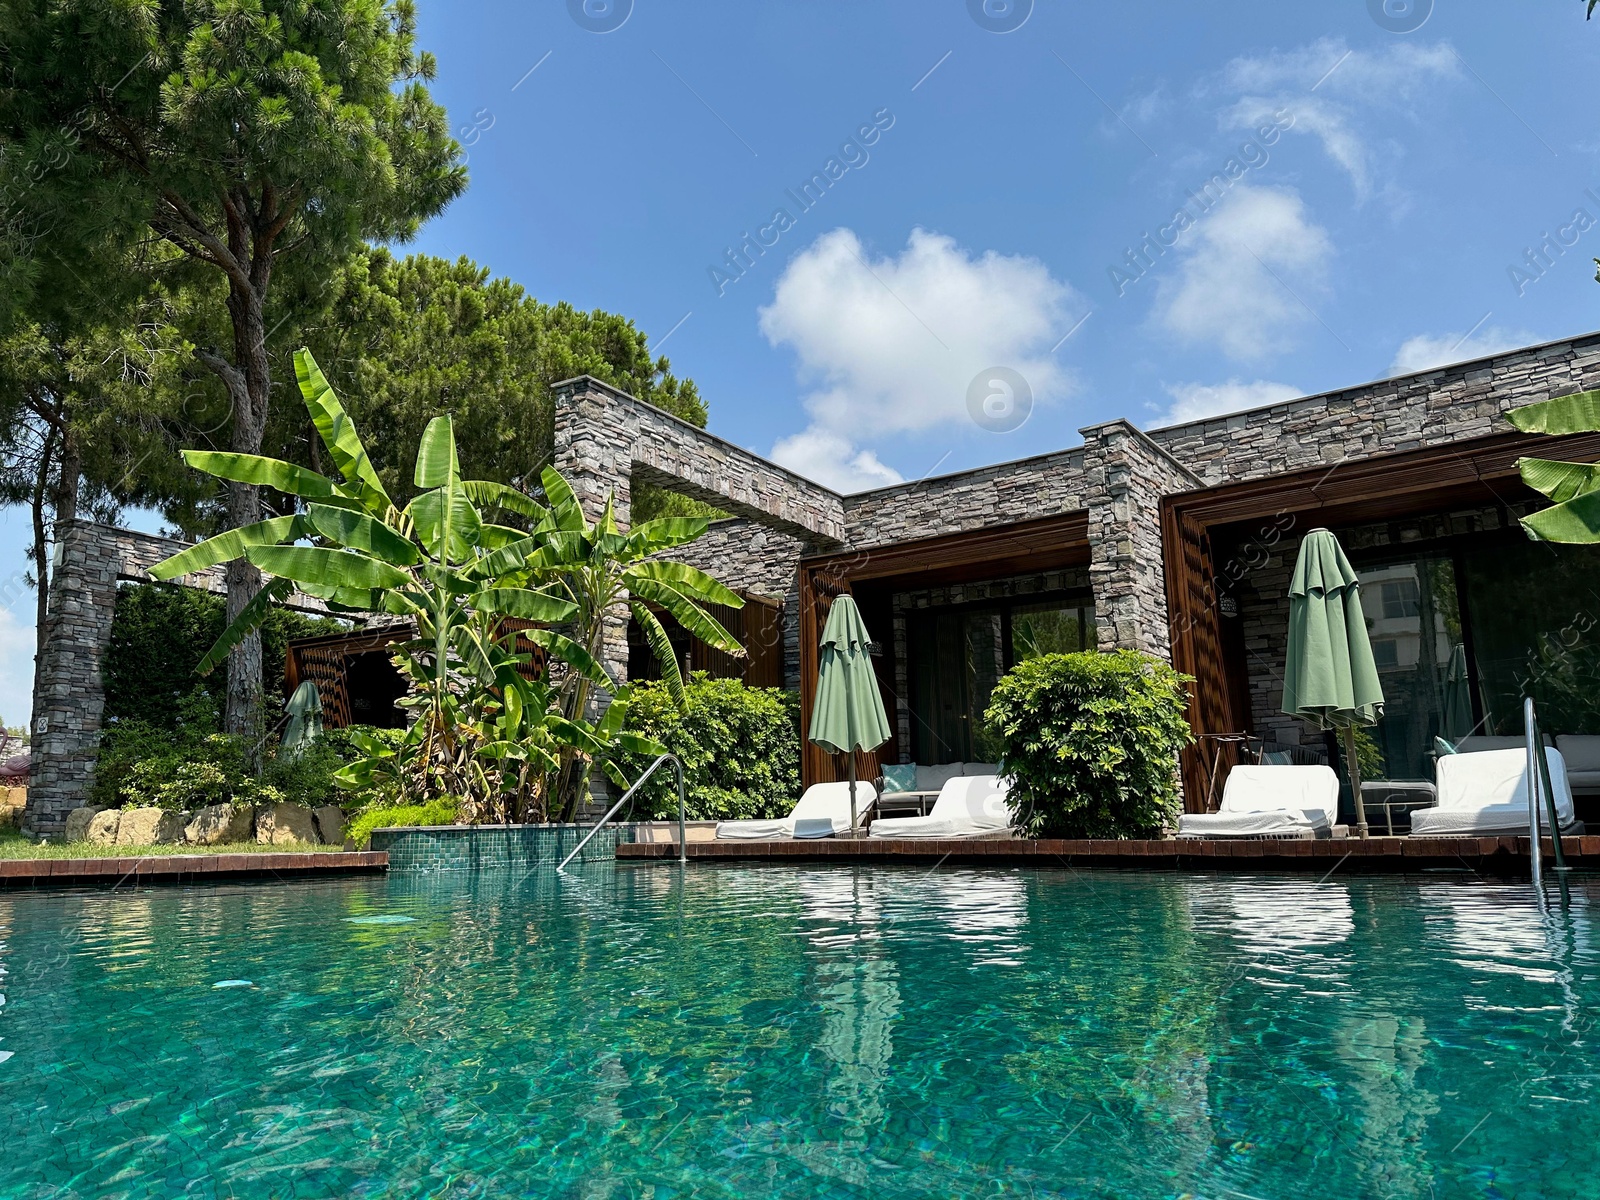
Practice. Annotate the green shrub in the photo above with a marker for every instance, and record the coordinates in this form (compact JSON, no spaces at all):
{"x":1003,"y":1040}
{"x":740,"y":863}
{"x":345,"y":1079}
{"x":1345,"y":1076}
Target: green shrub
{"x":159,"y":634}
{"x":435,"y":812}
{"x":1091,"y":743}
{"x":740,"y":748}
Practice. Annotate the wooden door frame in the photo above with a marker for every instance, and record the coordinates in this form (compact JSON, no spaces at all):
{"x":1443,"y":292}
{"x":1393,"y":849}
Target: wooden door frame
{"x":992,"y":552}
{"x":1383,"y":487}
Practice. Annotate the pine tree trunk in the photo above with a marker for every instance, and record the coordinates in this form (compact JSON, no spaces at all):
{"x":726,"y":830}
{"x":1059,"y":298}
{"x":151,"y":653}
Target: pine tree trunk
{"x":41,"y":571}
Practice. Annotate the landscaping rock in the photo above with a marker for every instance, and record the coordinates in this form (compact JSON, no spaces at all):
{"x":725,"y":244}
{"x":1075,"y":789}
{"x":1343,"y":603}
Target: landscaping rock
{"x":220,"y":824}
{"x":78,"y":822}
{"x":285,"y":823}
{"x":103,"y":828}
{"x":149,"y":827}
{"x":330,"y":823}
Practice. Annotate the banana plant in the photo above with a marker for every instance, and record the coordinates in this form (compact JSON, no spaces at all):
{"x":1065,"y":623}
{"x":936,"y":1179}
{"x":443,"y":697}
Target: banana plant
{"x":488,"y":727}
{"x":600,"y":569}
{"x":1572,"y":488}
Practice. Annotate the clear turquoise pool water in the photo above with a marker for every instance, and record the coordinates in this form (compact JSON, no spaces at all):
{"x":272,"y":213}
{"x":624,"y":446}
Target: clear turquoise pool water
{"x":773,"y":1031}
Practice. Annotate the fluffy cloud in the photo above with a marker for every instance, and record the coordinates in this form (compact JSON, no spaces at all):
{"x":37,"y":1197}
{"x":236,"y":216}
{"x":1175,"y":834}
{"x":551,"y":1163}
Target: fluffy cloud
{"x":16,"y":668}
{"x":1350,"y":86}
{"x":1239,"y":283}
{"x":889,"y":345}
{"x":1426,"y":351}
{"x":1196,"y":401}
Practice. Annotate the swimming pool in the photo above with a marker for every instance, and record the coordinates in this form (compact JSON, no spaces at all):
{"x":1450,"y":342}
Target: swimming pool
{"x":791,"y":1031}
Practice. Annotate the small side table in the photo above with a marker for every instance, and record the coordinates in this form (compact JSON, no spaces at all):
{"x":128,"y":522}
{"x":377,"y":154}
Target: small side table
{"x":1397,"y":797}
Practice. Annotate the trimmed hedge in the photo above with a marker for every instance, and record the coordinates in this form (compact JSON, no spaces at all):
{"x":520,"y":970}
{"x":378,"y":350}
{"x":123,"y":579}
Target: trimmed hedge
{"x":1091,"y":743}
{"x":159,"y":634}
{"x":740,"y":748}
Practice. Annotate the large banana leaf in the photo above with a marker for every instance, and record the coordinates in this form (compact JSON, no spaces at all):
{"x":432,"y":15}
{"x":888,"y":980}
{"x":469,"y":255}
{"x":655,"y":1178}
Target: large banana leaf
{"x":263,"y":472}
{"x":686,"y":579}
{"x":652,"y":537}
{"x":687,"y":613}
{"x":437,"y":464}
{"x":1576,"y":521}
{"x":524,"y":604}
{"x":1577,"y":413}
{"x":226,"y":547}
{"x":488,"y":494}
{"x":358,"y":531}
{"x":339,"y":434}
{"x":1561,"y":481}
{"x":564,"y":505}
{"x":569,"y":652}
{"x":447,"y":523}
{"x":321,"y":566}
{"x":661,"y":648}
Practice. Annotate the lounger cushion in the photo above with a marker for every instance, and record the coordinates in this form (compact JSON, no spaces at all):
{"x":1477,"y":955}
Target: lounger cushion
{"x":1480,"y":743}
{"x":1487,"y":793}
{"x":932,"y":779}
{"x":1582,"y":753}
{"x":967,"y":807}
{"x":823,"y":811}
{"x":1267,"y":800}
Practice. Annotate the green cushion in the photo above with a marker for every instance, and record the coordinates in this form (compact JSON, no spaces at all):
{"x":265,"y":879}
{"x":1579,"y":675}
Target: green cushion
{"x":899,"y":777}
{"x":1441,"y":746}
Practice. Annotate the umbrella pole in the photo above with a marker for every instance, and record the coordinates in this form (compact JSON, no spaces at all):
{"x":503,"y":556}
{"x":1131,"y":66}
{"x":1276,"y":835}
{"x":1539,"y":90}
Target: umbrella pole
{"x":1352,"y":766}
{"x":851,"y":755}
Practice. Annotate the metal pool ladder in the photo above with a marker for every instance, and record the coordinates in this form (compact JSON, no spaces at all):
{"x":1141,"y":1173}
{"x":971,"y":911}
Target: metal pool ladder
{"x":683,"y":842}
{"x":1539,"y":781}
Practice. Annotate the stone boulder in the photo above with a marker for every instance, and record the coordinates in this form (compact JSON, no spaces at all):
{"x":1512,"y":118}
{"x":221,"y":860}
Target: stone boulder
{"x":149,"y":827}
{"x":78,"y":822}
{"x":103,"y":828}
{"x":330,"y":824}
{"x":285,"y":823}
{"x":220,"y":824}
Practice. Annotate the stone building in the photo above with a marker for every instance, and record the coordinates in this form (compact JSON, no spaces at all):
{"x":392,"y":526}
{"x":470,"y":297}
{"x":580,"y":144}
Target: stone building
{"x":1176,"y":542}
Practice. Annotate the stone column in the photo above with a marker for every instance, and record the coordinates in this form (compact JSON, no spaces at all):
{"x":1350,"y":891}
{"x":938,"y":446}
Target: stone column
{"x":1126,"y":476}
{"x":594,"y":451}
{"x":66,"y":730}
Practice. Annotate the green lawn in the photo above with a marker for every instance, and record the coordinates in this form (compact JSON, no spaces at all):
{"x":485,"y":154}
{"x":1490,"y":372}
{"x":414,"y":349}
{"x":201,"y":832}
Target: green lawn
{"x":14,"y":845}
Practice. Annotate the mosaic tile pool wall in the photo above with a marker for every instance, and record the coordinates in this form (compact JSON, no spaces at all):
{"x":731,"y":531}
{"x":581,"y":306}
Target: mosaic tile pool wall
{"x":490,"y":847}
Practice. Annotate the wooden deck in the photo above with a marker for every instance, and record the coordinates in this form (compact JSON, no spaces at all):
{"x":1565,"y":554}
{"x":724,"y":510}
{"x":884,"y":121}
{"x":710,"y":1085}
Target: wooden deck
{"x":1490,"y":855}
{"x":185,"y":868}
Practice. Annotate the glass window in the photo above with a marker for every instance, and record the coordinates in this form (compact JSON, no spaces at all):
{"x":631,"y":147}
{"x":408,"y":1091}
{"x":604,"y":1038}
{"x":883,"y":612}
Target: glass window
{"x":1040,"y":629}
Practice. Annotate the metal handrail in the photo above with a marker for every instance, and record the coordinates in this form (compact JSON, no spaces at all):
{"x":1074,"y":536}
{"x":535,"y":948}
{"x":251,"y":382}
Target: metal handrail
{"x":683,"y":842}
{"x":1539,"y":781}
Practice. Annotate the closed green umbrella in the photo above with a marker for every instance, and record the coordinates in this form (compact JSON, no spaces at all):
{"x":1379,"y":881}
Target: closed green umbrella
{"x":848,"y":713}
{"x":1330,"y":679}
{"x":305,"y":721}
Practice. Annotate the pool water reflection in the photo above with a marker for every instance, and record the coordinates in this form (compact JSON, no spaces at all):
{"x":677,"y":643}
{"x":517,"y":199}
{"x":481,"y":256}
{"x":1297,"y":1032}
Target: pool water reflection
{"x":801,"y":1031}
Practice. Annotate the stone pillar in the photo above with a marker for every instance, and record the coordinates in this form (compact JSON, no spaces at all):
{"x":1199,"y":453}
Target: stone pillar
{"x":1126,"y":476}
{"x":594,"y":451}
{"x":66,"y":730}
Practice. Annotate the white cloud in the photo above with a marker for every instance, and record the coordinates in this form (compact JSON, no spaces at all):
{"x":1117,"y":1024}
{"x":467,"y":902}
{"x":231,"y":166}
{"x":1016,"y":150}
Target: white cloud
{"x":1233,"y":286}
{"x":1426,"y":351}
{"x":1350,"y":85}
{"x":831,"y":460}
{"x":890,"y":345}
{"x":16,"y":668}
{"x":1196,"y":401}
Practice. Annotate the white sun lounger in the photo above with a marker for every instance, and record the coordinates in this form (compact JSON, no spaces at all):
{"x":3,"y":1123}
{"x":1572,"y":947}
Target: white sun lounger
{"x":1270,"y":802}
{"x":823,"y":811}
{"x":969,"y":806}
{"x":1487,"y":794}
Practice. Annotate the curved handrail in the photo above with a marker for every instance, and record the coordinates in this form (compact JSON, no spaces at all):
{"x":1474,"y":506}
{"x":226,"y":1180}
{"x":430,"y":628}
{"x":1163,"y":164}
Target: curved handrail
{"x":683,"y":844}
{"x":1539,"y":781}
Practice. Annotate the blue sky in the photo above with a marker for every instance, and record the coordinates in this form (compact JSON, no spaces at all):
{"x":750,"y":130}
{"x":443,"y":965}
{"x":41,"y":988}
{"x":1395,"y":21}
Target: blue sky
{"x":1356,"y":188}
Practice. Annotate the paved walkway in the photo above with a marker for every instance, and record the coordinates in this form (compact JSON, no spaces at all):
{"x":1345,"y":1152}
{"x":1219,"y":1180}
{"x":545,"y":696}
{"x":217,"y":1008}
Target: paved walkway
{"x":185,"y":868}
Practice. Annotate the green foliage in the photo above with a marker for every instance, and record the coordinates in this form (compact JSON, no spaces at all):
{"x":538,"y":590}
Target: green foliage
{"x":512,"y":747}
{"x":434,"y":812}
{"x":740,"y":748}
{"x":188,"y":764}
{"x":158,"y":637}
{"x":1572,"y":488}
{"x":410,"y":338}
{"x":1091,"y":741}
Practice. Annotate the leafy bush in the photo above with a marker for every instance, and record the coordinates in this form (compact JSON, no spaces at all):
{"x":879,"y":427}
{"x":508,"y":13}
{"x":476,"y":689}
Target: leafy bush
{"x":191,"y":765}
{"x":740,"y":748}
{"x":435,"y":812}
{"x":160,"y":634}
{"x":1091,"y":743}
